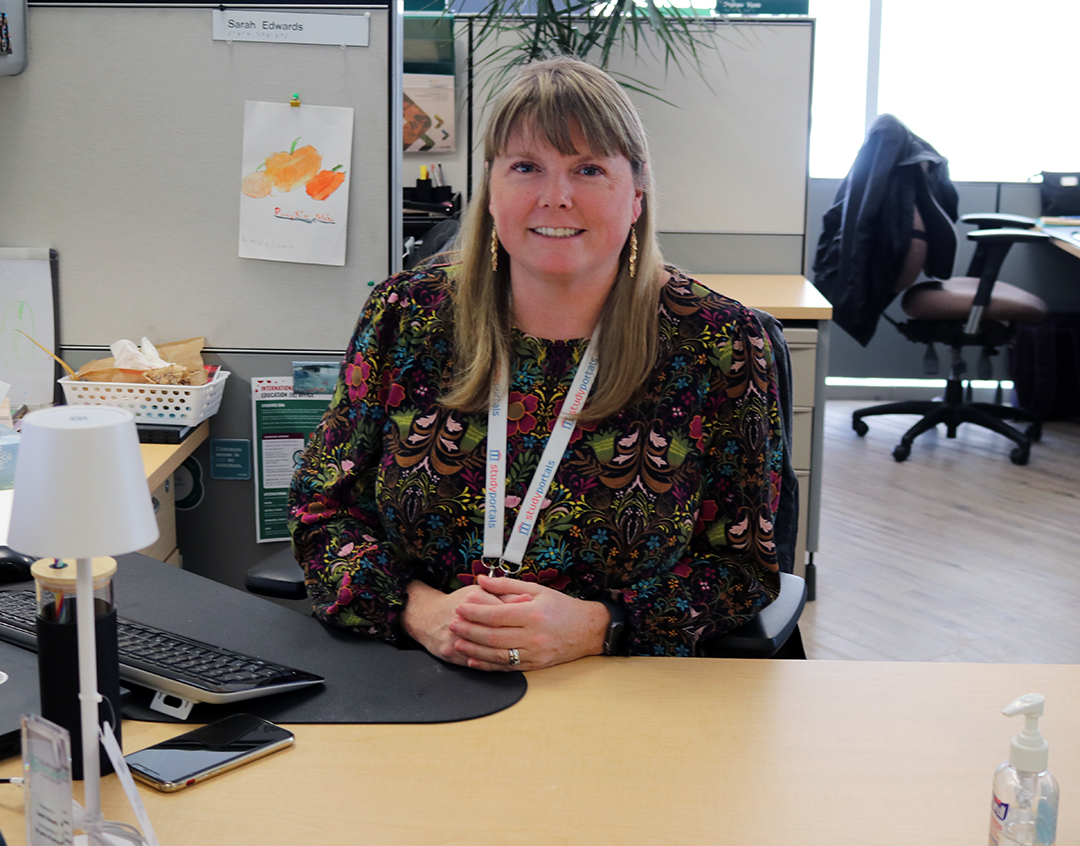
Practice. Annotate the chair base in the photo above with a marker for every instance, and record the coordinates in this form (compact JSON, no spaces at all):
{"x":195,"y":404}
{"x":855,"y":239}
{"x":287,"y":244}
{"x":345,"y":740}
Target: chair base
{"x":952,"y":411}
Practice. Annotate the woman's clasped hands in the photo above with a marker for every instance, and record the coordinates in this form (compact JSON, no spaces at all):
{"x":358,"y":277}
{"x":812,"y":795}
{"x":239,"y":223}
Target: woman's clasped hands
{"x":503,"y":623}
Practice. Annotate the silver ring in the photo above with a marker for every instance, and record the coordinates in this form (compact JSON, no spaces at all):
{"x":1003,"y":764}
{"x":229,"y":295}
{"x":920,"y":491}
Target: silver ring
{"x":515,"y":658}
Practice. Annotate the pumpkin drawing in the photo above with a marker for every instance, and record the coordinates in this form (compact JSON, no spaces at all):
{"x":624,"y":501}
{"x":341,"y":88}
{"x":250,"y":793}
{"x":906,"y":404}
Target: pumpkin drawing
{"x":288,"y":171}
{"x":325,"y":183}
{"x":256,"y":185}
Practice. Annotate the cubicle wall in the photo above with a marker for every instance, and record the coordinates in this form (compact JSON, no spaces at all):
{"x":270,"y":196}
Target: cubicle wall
{"x":120,"y":146}
{"x":1043,"y":269}
{"x":729,"y":145}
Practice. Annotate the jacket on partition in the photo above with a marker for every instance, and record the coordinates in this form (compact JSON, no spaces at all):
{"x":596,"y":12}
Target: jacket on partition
{"x":866,"y":232}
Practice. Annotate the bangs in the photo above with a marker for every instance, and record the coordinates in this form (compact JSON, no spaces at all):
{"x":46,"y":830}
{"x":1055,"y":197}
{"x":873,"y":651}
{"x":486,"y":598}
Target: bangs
{"x":550,"y":106}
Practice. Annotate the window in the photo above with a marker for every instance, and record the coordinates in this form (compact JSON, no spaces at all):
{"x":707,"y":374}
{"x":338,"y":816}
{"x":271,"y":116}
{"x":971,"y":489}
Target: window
{"x":987,"y":82}
{"x":838,"y":116}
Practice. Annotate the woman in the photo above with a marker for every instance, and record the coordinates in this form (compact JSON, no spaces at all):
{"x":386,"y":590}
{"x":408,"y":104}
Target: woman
{"x":427,"y":508}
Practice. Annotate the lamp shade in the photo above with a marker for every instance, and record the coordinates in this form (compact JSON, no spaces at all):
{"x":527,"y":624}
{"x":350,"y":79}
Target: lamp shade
{"x":80,"y":487}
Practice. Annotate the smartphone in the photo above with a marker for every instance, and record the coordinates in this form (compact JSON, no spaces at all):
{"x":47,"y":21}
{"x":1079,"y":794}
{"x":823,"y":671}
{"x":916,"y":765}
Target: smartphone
{"x":204,"y":752}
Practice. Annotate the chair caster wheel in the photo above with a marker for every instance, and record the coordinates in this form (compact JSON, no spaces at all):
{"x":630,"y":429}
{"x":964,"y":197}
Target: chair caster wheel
{"x":901,"y":452}
{"x":860,"y":427}
{"x":1020,"y":455}
{"x":1034,"y":432}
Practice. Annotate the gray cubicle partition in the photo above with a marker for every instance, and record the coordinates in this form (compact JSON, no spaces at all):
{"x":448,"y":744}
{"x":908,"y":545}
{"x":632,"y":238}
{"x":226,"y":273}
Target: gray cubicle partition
{"x":1042,"y":269}
{"x":729,"y":146}
{"x":120,"y":147}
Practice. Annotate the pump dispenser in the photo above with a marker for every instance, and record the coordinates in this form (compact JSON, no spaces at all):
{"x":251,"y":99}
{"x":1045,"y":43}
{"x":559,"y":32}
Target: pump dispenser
{"x":1025,"y":803}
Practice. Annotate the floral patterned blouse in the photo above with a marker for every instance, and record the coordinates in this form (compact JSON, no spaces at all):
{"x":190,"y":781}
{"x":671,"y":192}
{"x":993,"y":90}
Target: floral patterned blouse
{"x":666,"y":507}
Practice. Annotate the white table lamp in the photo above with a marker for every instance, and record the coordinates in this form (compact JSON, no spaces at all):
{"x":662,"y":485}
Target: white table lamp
{"x":81,"y":492}
{"x":80,"y":487}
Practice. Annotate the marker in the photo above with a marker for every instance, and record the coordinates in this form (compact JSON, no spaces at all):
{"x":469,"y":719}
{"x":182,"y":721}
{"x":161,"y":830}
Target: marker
{"x":423,"y":171}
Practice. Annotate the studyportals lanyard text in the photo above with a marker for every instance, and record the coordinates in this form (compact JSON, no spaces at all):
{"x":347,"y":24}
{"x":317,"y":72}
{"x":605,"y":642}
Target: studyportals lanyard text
{"x":508,"y":561}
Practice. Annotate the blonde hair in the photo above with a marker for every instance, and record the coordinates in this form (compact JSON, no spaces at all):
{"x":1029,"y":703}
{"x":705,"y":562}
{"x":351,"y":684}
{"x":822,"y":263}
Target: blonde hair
{"x":541,"y":100}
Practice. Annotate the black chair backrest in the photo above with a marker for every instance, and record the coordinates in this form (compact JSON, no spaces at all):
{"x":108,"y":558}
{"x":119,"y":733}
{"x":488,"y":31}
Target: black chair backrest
{"x":933,"y":238}
{"x":786,"y":525}
{"x":438,"y":239}
{"x":866,"y":234}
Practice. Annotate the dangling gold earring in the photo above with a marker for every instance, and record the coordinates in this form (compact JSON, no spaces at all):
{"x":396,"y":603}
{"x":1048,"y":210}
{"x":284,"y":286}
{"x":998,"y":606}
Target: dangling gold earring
{"x":633,"y":252}
{"x":494,"y":249}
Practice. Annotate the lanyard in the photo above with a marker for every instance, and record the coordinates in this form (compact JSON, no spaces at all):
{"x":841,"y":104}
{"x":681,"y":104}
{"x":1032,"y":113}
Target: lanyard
{"x":509,"y":560}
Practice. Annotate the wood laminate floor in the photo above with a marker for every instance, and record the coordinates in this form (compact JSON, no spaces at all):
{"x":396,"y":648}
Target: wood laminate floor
{"x":956,"y":554}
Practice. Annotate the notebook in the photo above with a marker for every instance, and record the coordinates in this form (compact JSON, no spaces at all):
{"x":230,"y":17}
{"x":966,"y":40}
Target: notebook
{"x":18,"y":695}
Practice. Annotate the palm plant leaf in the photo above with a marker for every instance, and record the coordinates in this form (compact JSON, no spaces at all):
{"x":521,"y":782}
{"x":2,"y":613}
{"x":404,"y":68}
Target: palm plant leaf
{"x":595,"y":32}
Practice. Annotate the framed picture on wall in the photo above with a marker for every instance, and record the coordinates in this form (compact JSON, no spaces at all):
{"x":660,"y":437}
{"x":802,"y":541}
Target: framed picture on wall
{"x":429,"y":113}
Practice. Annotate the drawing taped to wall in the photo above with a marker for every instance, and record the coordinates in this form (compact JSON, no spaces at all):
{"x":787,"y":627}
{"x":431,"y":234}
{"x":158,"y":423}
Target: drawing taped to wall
{"x":293,"y":205}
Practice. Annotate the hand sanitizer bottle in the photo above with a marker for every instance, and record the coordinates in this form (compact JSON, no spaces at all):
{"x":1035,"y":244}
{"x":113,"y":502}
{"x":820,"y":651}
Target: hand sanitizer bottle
{"x":1025,"y":804}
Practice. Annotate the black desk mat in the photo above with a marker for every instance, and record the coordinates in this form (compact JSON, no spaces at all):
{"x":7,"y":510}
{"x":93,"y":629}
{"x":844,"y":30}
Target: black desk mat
{"x":366,"y":681}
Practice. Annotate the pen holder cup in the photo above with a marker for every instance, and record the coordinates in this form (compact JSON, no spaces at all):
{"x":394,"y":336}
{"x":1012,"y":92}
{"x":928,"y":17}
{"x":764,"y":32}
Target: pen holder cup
{"x":58,"y":650}
{"x":422,"y":191}
{"x":442,"y":194}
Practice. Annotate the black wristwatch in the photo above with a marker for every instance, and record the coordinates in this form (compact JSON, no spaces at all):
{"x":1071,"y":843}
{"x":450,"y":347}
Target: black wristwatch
{"x":615,"y":637}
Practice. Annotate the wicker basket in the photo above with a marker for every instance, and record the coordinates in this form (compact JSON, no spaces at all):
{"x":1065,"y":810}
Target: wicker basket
{"x":176,"y":405}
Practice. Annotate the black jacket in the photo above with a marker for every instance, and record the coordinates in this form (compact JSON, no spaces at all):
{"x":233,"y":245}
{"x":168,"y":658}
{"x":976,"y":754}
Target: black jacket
{"x":867,"y":231}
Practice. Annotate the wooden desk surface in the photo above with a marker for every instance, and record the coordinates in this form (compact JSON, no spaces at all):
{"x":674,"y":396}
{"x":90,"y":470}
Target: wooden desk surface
{"x":785,"y":297}
{"x":643,"y":752}
{"x":161,"y":460}
{"x":1065,"y":237}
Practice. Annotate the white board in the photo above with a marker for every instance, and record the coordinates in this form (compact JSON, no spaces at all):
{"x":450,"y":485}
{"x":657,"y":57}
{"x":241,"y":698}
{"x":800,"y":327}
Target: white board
{"x":27,"y":306}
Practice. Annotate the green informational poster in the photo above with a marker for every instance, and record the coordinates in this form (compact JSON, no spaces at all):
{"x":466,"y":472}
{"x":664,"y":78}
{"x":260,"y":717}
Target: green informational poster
{"x":282,"y":423}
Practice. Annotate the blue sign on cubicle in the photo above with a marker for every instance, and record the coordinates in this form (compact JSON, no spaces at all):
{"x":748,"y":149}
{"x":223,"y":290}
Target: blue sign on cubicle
{"x":763,"y":7}
{"x":230,"y":458}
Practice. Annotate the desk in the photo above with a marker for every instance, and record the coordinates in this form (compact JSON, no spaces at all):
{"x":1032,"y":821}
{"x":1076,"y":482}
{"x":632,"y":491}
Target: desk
{"x":1065,"y":237}
{"x":644,"y":752}
{"x":806,"y":316}
{"x":160,"y":462}
{"x":784,"y":296}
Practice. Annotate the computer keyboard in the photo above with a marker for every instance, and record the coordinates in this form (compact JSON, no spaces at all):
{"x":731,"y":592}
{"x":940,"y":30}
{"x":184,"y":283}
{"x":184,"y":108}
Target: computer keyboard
{"x":167,"y":662}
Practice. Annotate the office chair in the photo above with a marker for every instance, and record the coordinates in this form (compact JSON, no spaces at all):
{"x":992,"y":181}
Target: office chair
{"x":976,"y":310}
{"x":890,"y":224}
{"x":436,"y":240}
{"x":772,"y":632}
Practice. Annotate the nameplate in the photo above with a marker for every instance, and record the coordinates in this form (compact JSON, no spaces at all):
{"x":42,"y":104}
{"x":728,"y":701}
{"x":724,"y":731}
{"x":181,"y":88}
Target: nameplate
{"x":292,"y":28}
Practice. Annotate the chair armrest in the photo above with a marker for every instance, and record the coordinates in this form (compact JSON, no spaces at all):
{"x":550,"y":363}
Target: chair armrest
{"x":278,"y":576}
{"x":993,"y":246}
{"x":1010,"y":236}
{"x":764,"y":634}
{"x":990,"y":220}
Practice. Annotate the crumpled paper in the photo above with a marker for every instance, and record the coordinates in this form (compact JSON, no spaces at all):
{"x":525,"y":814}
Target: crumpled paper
{"x":127,"y":356}
{"x":175,"y":363}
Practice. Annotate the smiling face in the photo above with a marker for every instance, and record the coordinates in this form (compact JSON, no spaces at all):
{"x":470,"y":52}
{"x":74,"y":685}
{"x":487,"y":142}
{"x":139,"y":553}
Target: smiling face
{"x":562,"y":218}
